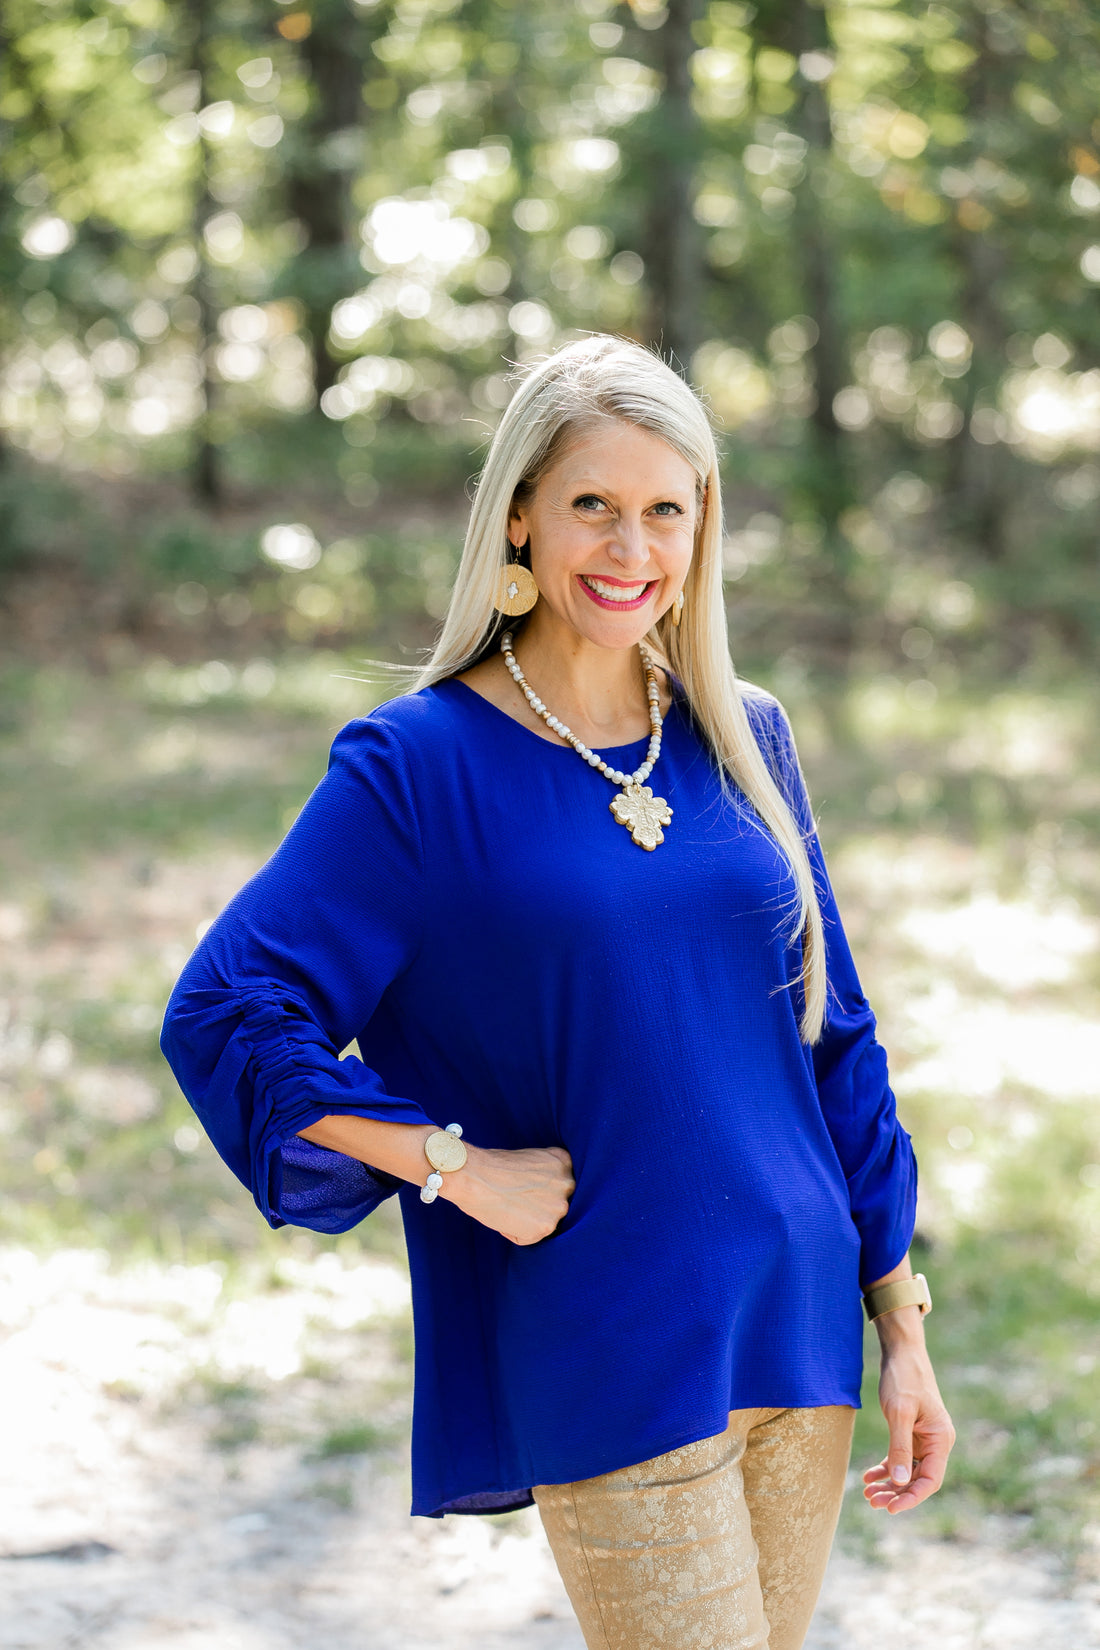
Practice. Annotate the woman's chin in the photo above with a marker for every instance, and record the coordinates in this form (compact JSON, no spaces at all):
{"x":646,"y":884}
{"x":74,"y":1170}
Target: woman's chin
{"x":612,"y":630}
{"x":615,"y":637}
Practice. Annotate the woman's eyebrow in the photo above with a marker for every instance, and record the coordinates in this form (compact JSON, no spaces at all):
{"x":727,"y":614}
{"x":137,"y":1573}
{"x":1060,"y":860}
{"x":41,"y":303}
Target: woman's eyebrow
{"x":586,"y":485}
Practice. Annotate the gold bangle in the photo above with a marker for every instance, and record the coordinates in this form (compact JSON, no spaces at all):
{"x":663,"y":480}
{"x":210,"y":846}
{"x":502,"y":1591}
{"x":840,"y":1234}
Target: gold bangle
{"x":890,"y":1297}
{"x":446,"y":1153}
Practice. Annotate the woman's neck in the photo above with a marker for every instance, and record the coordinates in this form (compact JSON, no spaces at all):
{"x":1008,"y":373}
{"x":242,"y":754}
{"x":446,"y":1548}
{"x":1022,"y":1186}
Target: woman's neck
{"x":599,"y":692}
{"x":598,"y":688}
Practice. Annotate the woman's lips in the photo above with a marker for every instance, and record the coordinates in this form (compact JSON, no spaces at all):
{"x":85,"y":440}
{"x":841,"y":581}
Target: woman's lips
{"x":609,"y":602}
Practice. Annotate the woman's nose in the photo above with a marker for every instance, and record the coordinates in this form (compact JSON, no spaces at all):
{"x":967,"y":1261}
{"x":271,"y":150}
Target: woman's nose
{"x":628,"y":545}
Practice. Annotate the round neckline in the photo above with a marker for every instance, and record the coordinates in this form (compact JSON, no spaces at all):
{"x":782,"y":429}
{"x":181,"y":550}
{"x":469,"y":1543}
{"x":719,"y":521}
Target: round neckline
{"x":529,"y":733}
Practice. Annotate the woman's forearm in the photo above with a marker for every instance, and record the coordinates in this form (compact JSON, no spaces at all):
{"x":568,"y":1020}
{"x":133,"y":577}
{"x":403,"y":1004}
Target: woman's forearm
{"x":395,"y":1148}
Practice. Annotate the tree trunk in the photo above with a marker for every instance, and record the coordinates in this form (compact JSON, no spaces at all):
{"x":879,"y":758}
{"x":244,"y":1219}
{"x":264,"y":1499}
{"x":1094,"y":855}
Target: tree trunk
{"x":828,"y":354}
{"x":976,"y":480}
{"x":826,"y":483}
{"x":506,"y":114}
{"x":317,"y":174}
{"x":206,"y":470}
{"x":8,"y":214}
{"x":672,"y":243}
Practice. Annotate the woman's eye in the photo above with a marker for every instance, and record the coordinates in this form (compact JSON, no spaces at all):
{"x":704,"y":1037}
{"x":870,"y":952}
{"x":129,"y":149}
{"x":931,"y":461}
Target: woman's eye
{"x":588,"y":501}
{"x":667,"y":507}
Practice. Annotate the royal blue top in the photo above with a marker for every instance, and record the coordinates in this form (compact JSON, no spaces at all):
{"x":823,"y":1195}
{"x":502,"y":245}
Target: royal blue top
{"x":457,"y":898}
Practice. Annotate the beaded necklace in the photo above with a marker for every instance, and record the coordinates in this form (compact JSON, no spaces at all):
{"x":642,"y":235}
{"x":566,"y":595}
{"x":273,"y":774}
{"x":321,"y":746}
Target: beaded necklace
{"x":636,"y":807}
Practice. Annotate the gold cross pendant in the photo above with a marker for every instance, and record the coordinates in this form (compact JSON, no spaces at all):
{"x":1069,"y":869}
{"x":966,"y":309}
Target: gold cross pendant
{"x":643,"y":814}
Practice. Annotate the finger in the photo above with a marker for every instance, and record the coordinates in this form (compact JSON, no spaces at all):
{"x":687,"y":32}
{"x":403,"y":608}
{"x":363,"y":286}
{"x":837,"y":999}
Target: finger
{"x":879,"y":1487}
{"x":933,"y":1466}
{"x":908,"y":1498}
{"x":927,"y":1478}
{"x":885,"y":1497}
{"x":900,"y":1457}
{"x":878,"y":1472}
{"x":934,"y":1444}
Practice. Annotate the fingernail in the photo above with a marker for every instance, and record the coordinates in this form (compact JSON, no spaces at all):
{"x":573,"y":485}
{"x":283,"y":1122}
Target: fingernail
{"x":900,"y":1474}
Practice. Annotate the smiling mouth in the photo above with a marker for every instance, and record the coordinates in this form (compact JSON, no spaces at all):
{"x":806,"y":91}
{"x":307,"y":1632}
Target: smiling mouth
{"x":616,"y":595}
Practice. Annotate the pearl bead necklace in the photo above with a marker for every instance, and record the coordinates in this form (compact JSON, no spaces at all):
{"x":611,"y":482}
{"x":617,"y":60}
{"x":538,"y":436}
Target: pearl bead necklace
{"x":653,"y":694}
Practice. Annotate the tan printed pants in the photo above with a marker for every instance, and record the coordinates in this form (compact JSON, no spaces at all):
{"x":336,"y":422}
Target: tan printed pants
{"x":720,"y":1545}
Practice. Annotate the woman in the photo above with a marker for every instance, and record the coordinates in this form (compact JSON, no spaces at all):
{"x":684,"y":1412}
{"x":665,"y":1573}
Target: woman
{"x":638,"y":1248}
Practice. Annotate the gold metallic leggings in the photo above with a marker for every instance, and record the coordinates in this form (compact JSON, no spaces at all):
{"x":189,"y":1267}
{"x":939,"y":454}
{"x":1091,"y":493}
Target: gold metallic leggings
{"x":720,"y":1545}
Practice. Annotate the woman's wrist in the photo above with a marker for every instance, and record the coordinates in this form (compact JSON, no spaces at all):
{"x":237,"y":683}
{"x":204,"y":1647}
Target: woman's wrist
{"x":901,"y":1329}
{"x":461,"y":1186}
{"x":899,"y":1321}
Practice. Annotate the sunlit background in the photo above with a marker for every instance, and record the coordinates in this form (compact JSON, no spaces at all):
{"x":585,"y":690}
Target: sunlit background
{"x":265,"y":271}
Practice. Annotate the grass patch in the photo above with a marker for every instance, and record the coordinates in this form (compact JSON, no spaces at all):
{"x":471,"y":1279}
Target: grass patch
{"x":355,"y":1438}
{"x":337,"y":1491}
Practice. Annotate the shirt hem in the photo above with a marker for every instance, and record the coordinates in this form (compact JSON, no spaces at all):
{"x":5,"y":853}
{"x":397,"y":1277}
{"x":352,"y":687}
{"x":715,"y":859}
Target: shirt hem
{"x":476,"y":1502}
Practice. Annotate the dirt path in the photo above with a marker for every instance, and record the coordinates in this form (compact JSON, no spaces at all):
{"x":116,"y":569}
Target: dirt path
{"x":167,"y":1533}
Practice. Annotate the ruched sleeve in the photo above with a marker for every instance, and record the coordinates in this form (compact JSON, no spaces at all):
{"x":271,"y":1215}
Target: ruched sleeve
{"x":290,"y":973}
{"x":849,"y":1064}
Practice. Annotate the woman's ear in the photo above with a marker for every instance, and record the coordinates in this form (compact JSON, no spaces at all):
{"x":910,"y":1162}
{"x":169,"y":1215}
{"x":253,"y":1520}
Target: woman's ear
{"x":518,"y":531}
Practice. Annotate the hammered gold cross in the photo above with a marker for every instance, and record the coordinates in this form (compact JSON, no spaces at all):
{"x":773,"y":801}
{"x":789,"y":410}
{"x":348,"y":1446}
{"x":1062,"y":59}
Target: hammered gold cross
{"x":643,"y":814}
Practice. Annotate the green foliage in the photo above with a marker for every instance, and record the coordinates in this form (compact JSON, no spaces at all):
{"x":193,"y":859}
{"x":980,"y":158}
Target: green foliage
{"x":354,"y":1438}
{"x":885,"y":217}
{"x":36,"y":520}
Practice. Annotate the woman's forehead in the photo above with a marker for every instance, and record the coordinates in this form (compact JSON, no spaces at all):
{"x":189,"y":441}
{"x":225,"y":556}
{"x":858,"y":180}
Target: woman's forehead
{"x":612,"y":447}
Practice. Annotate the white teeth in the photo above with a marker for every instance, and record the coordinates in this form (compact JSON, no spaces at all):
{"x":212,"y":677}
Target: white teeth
{"x":613,"y":592}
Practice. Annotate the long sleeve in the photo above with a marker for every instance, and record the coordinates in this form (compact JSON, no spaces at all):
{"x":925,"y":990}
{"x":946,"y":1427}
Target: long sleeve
{"x":849,"y":1064}
{"x":290,"y":973}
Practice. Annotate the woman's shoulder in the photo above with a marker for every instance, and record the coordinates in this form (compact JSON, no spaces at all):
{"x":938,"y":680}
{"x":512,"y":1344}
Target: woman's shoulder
{"x":766,"y":715}
{"x":400,"y":733}
{"x":771,"y":729}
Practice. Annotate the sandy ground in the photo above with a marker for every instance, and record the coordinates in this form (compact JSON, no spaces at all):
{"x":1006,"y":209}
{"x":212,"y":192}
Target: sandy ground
{"x":126,"y":1525}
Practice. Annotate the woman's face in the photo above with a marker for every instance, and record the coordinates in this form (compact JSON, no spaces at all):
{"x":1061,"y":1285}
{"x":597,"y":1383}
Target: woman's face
{"x":612,"y":526}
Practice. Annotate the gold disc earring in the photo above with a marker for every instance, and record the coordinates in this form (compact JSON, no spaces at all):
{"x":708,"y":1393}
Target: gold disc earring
{"x":677,"y":608}
{"x":516,"y":591}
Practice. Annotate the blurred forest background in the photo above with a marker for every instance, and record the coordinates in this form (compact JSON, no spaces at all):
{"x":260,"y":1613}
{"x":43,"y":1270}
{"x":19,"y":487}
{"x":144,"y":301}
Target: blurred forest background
{"x":265,"y":270}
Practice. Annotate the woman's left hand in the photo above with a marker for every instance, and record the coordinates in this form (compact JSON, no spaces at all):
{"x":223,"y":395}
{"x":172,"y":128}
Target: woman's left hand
{"x":921,"y":1433}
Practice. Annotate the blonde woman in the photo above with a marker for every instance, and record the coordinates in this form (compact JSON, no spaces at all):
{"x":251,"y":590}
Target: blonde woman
{"x":567,"y":897}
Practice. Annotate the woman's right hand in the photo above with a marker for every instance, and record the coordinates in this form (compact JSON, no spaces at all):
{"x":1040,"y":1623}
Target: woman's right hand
{"x":520,"y":1194}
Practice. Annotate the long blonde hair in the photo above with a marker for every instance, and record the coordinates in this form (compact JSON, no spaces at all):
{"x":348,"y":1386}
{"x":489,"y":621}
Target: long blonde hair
{"x":606,"y":377}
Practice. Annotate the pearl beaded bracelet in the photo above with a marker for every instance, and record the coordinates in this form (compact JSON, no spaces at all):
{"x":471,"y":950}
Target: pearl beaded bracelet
{"x":445,"y":1152}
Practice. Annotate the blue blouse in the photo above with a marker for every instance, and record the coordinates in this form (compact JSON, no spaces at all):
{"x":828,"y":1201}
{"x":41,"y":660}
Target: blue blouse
{"x":458,"y":899}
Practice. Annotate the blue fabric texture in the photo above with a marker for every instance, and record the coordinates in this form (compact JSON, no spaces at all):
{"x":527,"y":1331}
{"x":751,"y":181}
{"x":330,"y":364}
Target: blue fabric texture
{"x":458,"y":900}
